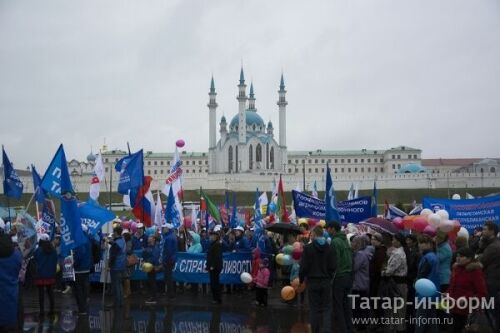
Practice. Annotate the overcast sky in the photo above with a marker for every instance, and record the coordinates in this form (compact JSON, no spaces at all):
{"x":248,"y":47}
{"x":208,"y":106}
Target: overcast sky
{"x":359,"y":74}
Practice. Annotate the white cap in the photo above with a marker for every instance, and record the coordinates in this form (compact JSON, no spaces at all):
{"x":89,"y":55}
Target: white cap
{"x":125,"y":231}
{"x":217,"y":228}
{"x":140,"y":225}
{"x":240,"y":228}
{"x":167,"y":225}
{"x":44,"y":237}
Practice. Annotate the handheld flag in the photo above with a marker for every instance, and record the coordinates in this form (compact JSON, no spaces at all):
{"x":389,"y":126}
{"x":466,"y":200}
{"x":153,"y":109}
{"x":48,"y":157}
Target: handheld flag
{"x":194,"y":217}
{"x":26,"y":233}
{"x":234,"y":217}
{"x":12,"y":185}
{"x":97,"y":178}
{"x":281,"y":210}
{"x":263,"y":202}
{"x":51,"y":181}
{"x":257,"y":212}
{"x":175,"y":176}
{"x":142,"y":201}
{"x":171,"y":211}
{"x":211,"y":207}
{"x":332,"y":214}
{"x":71,"y":227}
{"x":158,"y":212}
{"x":39,"y":192}
{"x":350,"y":195}
{"x":94,"y":216}
{"x":49,"y":216}
{"x":374,"y":199}
{"x":131,"y":169}
{"x":315,"y":190}
{"x":356,"y":191}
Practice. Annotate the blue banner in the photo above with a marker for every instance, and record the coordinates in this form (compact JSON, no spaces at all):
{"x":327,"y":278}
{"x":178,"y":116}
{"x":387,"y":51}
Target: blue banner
{"x":131,"y":169}
{"x":470,"y":213}
{"x":190,"y":267}
{"x":352,"y":211}
{"x":51,"y":182}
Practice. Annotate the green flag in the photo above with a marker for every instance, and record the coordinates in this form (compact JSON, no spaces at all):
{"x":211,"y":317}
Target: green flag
{"x":211,"y":207}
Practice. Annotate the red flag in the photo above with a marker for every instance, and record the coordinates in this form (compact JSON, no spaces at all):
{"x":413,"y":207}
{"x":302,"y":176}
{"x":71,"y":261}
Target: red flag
{"x":281,"y":210}
{"x":203,"y":204}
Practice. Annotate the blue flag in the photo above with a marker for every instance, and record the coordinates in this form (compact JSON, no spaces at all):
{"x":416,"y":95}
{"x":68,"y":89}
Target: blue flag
{"x":332,"y":214}
{"x":51,"y":181}
{"x":171,"y":212}
{"x":374,"y":200}
{"x":257,"y":213}
{"x":233,"y":223}
{"x":12,"y":185}
{"x":94,"y":216}
{"x":49,"y":217}
{"x":131,"y":169}
{"x":37,"y":181}
{"x":71,"y":228}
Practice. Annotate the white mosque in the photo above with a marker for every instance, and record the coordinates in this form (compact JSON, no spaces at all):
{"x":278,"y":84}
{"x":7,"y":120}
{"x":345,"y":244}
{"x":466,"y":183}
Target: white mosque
{"x":248,"y":145}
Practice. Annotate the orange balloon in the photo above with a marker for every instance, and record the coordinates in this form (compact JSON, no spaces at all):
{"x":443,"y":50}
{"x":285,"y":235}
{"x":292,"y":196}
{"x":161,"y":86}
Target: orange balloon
{"x":287,"y":293}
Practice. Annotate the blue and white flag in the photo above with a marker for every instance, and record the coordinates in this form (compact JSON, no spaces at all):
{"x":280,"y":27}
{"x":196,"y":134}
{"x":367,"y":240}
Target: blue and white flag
{"x":51,"y":181}
{"x":94,"y":216}
{"x":332,"y":214}
{"x":257,"y":214}
{"x":49,"y":217}
{"x":37,"y":181}
{"x":12,"y":185}
{"x":172,"y":214}
{"x":131,"y":169}
{"x":71,"y":227}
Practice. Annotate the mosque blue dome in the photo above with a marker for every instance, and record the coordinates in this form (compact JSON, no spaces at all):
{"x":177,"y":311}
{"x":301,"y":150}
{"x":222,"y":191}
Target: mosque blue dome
{"x":91,"y":157}
{"x":252,"y":118}
{"x":412,"y":168}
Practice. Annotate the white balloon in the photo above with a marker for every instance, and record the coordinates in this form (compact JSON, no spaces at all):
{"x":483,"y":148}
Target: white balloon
{"x":425,"y":212}
{"x":446,"y":226}
{"x":434,"y":220}
{"x":246,"y":277}
{"x":463,"y":233}
{"x":456,"y":196}
{"x":443,"y":214}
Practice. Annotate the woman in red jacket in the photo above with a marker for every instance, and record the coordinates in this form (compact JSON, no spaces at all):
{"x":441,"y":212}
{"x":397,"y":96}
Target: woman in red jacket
{"x":467,"y":281}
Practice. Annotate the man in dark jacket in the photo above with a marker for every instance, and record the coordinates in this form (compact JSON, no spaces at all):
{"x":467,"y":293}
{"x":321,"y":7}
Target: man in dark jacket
{"x":317,"y":267}
{"x":214,"y":266}
{"x":82,"y":256}
{"x":168,"y":256}
{"x":342,"y":282}
{"x":117,"y":265}
{"x":490,"y":259}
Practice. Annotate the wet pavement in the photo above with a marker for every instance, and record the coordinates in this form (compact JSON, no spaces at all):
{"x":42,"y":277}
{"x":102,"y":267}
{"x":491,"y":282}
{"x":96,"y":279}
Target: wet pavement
{"x":188,"y":313}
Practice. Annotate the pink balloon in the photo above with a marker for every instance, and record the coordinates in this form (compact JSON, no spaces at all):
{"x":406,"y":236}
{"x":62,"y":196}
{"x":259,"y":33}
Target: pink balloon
{"x":397,"y":220}
{"x":430,"y":230}
{"x":419,"y":224}
{"x":399,"y":224}
{"x":180,"y":143}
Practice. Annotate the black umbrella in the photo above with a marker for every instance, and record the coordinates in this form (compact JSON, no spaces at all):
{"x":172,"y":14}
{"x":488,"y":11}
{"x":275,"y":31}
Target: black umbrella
{"x":283,"y":228}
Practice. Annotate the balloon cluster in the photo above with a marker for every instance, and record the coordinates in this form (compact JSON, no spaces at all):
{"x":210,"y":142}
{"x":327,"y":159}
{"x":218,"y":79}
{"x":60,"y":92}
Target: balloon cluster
{"x":429,"y":223}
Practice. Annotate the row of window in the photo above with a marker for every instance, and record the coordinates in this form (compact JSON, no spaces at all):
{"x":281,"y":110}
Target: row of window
{"x":394,"y":157}
{"x":186,"y":162}
{"x":161,"y":172}
{"x":342,"y":160}
{"x":342,"y":170}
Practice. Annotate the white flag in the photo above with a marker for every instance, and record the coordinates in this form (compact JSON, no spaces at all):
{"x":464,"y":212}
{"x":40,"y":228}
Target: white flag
{"x":263,"y":201}
{"x":356,"y":190}
{"x":158,"y":217}
{"x":194,"y":216}
{"x":175,"y":176}
{"x":468,"y":196}
{"x":97,"y":178}
{"x":350,"y":195}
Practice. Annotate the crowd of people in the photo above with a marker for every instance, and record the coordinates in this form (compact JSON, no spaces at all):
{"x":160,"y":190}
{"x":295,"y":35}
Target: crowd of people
{"x":339,"y":271}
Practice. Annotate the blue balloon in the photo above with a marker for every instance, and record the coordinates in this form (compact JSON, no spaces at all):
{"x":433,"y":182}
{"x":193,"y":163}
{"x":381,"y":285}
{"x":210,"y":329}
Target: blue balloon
{"x":287,"y":260}
{"x":425,"y":287}
{"x":150,"y":231}
{"x":272,"y":207}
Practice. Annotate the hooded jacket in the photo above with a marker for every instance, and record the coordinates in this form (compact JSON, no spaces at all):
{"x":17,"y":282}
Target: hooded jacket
{"x":46,"y":260}
{"x":343,"y":254}
{"x":318,"y":262}
{"x":195,"y":245}
{"x":10,"y":265}
{"x":361,"y":269}
{"x":467,"y":281}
